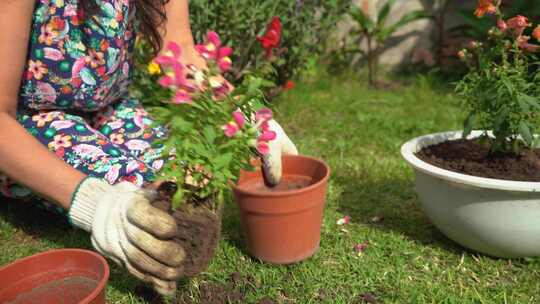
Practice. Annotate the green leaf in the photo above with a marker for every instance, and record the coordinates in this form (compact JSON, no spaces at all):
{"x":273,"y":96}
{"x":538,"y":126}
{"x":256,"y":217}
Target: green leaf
{"x":500,"y":118}
{"x":468,"y":126}
{"x":223,"y":160}
{"x":531,"y":101}
{"x":200,"y":149}
{"x":363,"y":21}
{"x":525,"y":133}
{"x":180,"y":124}
{"x":209,"y":134}
{"x":406,"y":19}
{"x":384,"y":12}
{"x":509,"y":86}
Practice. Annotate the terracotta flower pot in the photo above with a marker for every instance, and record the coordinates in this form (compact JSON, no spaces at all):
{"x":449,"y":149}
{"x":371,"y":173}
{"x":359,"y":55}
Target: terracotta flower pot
{"x":57,"y":276}
{"x":283,"y":225}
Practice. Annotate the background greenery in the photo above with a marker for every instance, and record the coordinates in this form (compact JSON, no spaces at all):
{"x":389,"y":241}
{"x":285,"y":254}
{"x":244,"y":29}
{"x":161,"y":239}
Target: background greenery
{"x":306,"y":25}
{"x":358,"y":131}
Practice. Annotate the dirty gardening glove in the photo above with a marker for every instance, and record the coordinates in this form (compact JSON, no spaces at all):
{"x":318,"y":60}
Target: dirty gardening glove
{"x":282,"y":144}
{"x":128,"y":230}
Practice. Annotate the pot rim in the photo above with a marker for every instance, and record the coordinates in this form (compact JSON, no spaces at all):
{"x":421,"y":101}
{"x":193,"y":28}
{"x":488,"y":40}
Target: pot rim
{"x":102,"y":282}
{"x":290,"y":192}
{"x":416,"y":144}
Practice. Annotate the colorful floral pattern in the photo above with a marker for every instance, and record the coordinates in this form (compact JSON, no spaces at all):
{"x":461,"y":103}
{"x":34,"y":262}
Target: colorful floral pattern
{"x":74,"y":96}
{"x":114,"y":144}
{"x":78,"y":63}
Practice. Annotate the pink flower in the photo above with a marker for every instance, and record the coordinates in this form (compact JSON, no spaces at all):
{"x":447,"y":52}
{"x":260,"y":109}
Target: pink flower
{"x":267,"y":135}
{"x":212,"y":50}
{"x":263,"y":115}
{"x":182,"y":96}
{"x":172,"y":55}
{"x":502,"y":25}
{"x":174,"y":76}
{"x":230,"y":129}
{"x":235,"y":125}
{"x":263,"y":147}
{"x":518,"y":24}
{"x":219,"y":86}
{"x":239,"y":118}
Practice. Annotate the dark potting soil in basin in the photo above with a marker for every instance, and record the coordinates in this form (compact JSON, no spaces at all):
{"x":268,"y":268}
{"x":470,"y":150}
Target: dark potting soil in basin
{"x":288,"y":183}
{"x":472,"y":158}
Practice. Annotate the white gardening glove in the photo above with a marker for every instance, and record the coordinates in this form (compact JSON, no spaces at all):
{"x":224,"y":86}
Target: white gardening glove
{"x":282,"y":144}
{"x":128,"y":230}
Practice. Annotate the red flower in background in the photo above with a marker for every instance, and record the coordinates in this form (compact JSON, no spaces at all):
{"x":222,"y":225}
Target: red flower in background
{"x":485,"y":7}
{"x":289,"y":85}
{"x":272,"y":37}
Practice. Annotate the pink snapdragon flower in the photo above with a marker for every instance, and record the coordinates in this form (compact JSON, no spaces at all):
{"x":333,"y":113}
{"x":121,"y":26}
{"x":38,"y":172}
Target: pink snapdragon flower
{"x":262,"y":117}
{"x":219,"y":86}
{"x":502,"y":25}
{"x":213,"y":50}
{"x":235,"y":125}
{"x":174,"y":76}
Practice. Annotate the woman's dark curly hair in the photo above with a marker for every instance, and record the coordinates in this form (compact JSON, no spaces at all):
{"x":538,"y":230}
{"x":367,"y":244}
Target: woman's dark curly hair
{"x":149,"y":13}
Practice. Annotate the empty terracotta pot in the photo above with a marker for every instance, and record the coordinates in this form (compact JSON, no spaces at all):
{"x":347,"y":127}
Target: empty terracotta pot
{"x":282,"y":225}
{"x":68,"y":276}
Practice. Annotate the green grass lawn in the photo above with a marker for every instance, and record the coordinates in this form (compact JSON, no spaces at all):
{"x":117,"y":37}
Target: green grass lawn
{"x":358,"y":131}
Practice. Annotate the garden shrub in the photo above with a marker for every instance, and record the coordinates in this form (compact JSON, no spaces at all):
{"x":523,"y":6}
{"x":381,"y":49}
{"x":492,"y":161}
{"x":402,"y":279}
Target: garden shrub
{"x":306,"y":25}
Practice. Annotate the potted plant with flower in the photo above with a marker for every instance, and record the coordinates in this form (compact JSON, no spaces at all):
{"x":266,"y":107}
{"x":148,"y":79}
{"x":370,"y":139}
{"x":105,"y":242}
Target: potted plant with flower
{"x":481,"y":188}
{"x":214,"y":134}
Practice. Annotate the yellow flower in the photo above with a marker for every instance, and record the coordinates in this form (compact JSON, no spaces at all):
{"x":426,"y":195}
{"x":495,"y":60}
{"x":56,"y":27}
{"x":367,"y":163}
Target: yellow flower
{"x":153,"y":68}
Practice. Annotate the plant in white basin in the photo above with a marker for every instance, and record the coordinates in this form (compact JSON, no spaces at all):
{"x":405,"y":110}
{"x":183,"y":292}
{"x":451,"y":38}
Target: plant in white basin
{"x":482,"y":188}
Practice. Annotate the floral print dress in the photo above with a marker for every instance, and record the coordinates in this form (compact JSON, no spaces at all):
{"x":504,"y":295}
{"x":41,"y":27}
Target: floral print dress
{"x":74,"y":94}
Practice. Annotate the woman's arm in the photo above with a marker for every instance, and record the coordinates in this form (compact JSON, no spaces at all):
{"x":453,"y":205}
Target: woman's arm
{"x":178,"y":29}
{"x":22,"y":157}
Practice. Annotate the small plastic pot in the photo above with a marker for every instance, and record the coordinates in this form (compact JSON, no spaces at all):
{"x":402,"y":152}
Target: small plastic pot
{"x":69,"y":276}
{"x":284,"y":226}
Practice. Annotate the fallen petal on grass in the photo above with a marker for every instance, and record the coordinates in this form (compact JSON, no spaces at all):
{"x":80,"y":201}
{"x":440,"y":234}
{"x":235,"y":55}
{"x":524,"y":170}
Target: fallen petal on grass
{"x":344,"y":220}
{"x":360,"y":248}
{"x":368,"y":298}
{"x":377,"y":219}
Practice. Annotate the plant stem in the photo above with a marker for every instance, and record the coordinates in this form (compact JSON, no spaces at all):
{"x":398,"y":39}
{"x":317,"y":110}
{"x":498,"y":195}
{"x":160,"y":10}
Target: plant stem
{"x":370,"y":62}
